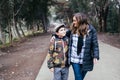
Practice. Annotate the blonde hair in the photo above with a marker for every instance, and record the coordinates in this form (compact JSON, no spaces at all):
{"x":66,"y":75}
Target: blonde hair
{"x":82,"y":27}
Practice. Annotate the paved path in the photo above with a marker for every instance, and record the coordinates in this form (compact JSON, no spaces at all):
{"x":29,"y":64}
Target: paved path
{"x":108,"y":67}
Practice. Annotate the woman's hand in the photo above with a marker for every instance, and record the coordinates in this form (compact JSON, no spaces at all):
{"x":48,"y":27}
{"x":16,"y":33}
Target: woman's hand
{"x":52,"y":39}
{"x":95,"y":60}
{"x":52,"y":69}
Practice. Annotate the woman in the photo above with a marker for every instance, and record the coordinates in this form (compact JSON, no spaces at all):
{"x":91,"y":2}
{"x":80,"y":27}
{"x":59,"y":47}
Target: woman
{"x":83,"y":46}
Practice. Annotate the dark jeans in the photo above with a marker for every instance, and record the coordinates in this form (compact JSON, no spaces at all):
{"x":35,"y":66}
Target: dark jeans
{"x":79,"y":75}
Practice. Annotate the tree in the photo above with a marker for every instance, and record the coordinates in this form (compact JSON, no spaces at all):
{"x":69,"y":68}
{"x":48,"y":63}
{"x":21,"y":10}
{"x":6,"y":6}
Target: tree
{"x":100,"y":11}
{"x":113,"y":17}
{"x":14,"y":13}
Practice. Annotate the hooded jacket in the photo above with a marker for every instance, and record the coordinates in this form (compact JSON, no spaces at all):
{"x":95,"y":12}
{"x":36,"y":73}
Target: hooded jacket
{"x":58,"y":53}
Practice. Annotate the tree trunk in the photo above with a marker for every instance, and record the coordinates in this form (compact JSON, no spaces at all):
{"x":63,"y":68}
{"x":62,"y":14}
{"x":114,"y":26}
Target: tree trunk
{"x":100,"y":22}
{"x":119,"y":20}
{"x":102,"y":12}
{"x":105,"y":14}
{"x":10,"y":34}
{"x":44,"y":23}
{"x":3,"y":38}
{"x":1,"y":35}
{"x":38,"y":27}
{"x":18,"y":33}
{"x":13,"y":29}
{"x":21,"y":29}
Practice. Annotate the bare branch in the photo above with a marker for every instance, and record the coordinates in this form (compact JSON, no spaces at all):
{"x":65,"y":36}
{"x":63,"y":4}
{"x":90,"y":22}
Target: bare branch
{"x":2,"y":3}
{"x":19,"y":8}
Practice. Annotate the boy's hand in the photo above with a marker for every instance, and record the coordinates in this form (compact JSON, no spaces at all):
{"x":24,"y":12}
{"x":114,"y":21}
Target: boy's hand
{"x":52,"y":69}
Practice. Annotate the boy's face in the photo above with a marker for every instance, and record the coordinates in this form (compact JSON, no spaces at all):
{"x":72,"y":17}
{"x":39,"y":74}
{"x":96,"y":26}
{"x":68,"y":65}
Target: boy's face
{"x":61,"y":32}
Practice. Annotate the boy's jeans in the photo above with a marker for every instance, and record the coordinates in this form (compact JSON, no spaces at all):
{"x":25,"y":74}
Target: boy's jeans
{"x":79,"y":75}
{"x":61,"y":73}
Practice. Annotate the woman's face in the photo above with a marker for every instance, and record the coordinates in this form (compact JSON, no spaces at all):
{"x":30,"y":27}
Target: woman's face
{"x":75,"y":22}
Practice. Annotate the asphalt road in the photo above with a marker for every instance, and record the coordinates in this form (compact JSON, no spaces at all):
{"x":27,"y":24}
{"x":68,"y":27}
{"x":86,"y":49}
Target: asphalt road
{"x":107,"y":68}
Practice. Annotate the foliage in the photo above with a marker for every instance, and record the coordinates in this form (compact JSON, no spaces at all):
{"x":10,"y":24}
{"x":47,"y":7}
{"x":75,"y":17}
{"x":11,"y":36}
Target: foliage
{"x":19,"y":16}
{"x":104,"y":14}
{"x":30,"y":13}
{"x":113,"y":18}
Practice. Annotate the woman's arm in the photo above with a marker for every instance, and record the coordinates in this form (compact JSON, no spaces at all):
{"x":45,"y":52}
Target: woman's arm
{"x":68,"y":33}
{"x":95,"y":45}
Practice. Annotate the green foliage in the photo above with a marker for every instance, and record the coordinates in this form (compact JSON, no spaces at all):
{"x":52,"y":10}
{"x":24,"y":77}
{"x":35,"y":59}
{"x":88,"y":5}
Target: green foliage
{"x":15,"y":39}
{"x":106,"y":10}
{"x":113,"y":19}
{"x":80,"y":6}
{"x":1,"y":42}
{"x":5,"y":45}
{"x":30,"y":12}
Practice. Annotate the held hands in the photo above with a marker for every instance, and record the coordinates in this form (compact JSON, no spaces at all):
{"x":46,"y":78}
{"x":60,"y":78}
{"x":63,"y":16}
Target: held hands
{"x":52,"y":69}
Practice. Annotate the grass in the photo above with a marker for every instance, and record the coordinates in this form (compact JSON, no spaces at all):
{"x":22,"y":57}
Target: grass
{"x":15,"y":40}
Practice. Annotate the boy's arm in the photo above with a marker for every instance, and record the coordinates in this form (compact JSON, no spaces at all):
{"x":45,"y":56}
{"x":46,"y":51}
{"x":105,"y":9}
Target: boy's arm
{"x":50,"y":55}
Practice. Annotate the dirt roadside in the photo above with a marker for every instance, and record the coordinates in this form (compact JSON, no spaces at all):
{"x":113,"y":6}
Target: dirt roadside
{"x":23,"y":61}
{"x":113,"y":40}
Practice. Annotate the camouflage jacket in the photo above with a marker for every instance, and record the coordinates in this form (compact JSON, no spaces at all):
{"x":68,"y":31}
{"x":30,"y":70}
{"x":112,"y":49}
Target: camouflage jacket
{"x":58,"y":53}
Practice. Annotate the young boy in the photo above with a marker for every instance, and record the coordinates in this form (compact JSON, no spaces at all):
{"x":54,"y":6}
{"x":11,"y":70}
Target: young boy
{"x":58,"y":54}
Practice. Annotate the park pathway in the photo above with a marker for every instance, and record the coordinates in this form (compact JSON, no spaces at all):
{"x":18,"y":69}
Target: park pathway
{"x":108,"y":67}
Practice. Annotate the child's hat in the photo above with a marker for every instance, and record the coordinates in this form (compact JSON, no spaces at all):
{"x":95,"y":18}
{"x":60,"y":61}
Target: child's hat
{"x":58,"y":26}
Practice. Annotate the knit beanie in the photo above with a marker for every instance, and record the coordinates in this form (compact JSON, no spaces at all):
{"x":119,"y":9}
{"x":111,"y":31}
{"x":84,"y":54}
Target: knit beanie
{"x":58,"y":26}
